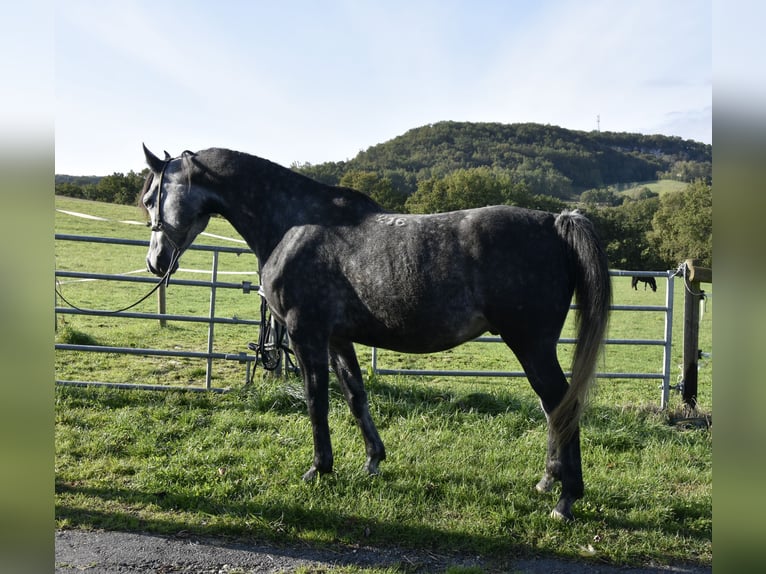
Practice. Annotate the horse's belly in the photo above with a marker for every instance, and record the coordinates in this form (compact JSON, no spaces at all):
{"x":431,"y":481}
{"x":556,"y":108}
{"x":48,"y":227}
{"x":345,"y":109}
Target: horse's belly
{"x":418,"y":334}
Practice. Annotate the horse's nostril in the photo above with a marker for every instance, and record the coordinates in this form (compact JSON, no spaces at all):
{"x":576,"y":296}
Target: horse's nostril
{"x":152,"y":269}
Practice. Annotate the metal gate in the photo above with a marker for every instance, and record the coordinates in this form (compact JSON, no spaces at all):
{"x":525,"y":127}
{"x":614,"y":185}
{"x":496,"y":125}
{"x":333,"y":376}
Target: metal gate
{"x":662,"y":374}
{"x":211,"y":319}
{"x":665,"y":342}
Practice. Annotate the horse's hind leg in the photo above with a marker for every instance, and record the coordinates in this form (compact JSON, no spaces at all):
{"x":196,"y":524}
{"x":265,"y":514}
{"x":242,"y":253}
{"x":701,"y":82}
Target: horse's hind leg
{"x":346,"y":366}
{"x":563,"y":461}
{"x":312,"y":359}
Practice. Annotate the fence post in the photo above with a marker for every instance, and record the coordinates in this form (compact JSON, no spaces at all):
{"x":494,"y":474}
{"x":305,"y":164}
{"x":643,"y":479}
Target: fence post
{"x":693,"y":294}
{"x":161,"y":306}
{"x":211,"y":323}
{"x":668,"y":338}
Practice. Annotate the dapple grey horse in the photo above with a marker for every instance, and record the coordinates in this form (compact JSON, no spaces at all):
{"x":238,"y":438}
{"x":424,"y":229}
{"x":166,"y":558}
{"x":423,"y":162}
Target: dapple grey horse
{"x":337,"y":269}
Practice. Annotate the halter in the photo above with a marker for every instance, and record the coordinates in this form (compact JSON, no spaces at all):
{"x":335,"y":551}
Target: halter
{"x":160,"y":225}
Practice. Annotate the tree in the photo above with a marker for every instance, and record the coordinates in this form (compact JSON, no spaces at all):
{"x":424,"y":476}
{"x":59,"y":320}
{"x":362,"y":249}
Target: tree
{"x":542,"y":178}
{"x":625,"y":231}
{"x":70,"y":190}
{"x":378,"y":188}
{"x":476,"y":187}
{"x":601,"y":196}
{"x":118,"y":188}
{"x":329,"y":173}
{"x":461,"y":189}
{"x":682,"y":228}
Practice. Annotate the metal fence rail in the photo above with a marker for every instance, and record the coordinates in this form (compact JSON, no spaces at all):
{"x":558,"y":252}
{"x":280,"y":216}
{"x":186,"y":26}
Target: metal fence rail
{"x":248,"y":360}
{"x":665,"y":342}
{"x":211,"y":319}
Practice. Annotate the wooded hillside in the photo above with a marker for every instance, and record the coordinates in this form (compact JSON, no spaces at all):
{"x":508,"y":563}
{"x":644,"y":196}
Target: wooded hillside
{"x":550,"y":160}
{"x":457,"y":165}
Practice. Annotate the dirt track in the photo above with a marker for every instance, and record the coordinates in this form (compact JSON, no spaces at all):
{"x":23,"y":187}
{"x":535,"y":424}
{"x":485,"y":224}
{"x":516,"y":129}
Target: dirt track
{"x":99,"y":552}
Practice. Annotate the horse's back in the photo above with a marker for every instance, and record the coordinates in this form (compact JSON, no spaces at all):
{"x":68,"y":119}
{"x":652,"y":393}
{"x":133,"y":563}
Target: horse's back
{"x":419,"y":283}
{"x":458,"y":273}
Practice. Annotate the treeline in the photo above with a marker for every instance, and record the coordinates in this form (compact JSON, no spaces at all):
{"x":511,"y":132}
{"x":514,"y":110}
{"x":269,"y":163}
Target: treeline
{"x":658,"y":232}
{"x":645,"y":232}
{"x":548,"y":160}
{"x":451,"y":165}
{"x":115,"y":188}
{"x":457,"y":165}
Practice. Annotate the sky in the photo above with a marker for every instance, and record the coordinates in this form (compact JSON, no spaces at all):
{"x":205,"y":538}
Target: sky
{"x":301,"y":81}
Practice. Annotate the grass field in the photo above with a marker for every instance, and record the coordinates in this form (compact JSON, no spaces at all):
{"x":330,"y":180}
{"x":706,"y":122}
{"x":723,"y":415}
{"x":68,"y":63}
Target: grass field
{"x":660,"y":186}
{"x":464,"y":453}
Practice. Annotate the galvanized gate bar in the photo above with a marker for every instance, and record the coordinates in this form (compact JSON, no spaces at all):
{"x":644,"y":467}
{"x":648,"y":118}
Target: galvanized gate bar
{"x":669,"y":339}
{"x":155,"y":316}
{"x":152,"y":280}
{"x":210,"y":319}
{"x":153,"y":352}
{"x":145,"y":243}
{"x":246,"y":287}
{"x":211,"y":324}
{"x":665,"y":343}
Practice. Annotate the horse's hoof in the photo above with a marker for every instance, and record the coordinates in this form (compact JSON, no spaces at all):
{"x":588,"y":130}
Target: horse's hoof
{"x":563,"y":511}
{"x":310,"y":474}
{"x":555,"y":514}
{"x":371,"y":466}
{"x":545,"y":484}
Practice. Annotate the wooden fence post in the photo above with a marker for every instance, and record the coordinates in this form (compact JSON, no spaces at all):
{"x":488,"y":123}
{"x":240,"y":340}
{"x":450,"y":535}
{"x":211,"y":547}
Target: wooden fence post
{"x":693,"y":294}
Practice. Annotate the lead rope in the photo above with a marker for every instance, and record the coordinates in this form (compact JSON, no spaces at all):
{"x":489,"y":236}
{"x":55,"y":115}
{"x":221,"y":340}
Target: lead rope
{"x":158,"y":226}
{"x":271,"y":344}
{"x":164,"y":279}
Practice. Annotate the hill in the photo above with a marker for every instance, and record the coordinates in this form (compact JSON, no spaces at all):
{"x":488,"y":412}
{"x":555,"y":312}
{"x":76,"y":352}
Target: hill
{"x":550,"y":159}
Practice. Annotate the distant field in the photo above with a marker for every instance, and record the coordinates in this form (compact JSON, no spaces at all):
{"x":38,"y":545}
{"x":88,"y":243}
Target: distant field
{"x":660,"y":186}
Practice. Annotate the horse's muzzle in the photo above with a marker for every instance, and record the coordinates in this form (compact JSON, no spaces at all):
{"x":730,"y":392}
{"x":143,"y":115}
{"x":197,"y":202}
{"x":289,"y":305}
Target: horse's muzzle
{"x":160,"y":268}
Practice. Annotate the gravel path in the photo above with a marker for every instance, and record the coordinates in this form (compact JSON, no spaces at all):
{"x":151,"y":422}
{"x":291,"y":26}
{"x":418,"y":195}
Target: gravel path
{"x":100,"y":552}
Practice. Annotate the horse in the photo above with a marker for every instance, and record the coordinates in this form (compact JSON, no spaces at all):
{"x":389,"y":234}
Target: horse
{"x":337,"y":269}
{"x":646,"y":280}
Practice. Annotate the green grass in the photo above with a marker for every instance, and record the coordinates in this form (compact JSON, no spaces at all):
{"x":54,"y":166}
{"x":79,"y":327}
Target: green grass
{"x":462,"y":463}
{"x":660,"y":186}
{"x":463,"y":453}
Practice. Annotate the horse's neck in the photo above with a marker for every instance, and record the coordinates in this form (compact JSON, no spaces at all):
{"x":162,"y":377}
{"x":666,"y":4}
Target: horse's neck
{"x":265,"y":208}
{"x":255,"y":222}
{"x":272,"y":199}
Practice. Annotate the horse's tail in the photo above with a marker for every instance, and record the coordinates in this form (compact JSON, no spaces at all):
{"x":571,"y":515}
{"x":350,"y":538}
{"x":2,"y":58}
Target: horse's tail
{"x":593,"y":292}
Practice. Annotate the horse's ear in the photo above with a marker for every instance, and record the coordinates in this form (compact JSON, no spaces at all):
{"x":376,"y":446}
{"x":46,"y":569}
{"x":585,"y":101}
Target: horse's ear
{"x":168,"y":157}
{"x":154,"y":163}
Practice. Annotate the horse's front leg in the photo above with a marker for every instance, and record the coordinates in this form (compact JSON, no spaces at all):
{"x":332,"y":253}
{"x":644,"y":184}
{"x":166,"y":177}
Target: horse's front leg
{"x":346,"y":366}
{"x":312,"y":360}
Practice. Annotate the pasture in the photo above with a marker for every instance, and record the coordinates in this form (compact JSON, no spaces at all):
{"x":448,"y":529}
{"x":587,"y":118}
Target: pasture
{"x":660,"y":186}
{"x":463,"y":453}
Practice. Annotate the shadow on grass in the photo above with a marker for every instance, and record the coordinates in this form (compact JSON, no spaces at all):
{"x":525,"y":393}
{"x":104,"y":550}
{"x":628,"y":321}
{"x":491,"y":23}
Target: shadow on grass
{"x":121,"y":508}
{"x":291,"y":528}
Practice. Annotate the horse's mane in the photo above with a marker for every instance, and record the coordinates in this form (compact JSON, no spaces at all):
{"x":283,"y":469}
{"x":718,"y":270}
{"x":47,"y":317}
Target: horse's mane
{"x":214,"y":164}
{"x":144,"y":189}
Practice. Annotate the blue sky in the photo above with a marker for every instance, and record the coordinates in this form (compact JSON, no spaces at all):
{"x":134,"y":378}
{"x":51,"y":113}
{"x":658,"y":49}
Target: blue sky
{"x":301,"y":81}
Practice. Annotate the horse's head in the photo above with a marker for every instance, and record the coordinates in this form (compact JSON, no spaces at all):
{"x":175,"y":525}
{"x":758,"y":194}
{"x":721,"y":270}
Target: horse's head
{"x":177,"y":207}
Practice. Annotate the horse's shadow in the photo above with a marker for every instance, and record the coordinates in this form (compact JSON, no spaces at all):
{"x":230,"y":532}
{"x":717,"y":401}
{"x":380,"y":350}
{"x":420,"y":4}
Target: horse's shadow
{"x":394,"y":397}
{"x":400,"y":399}
{"x":288,"y":524}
